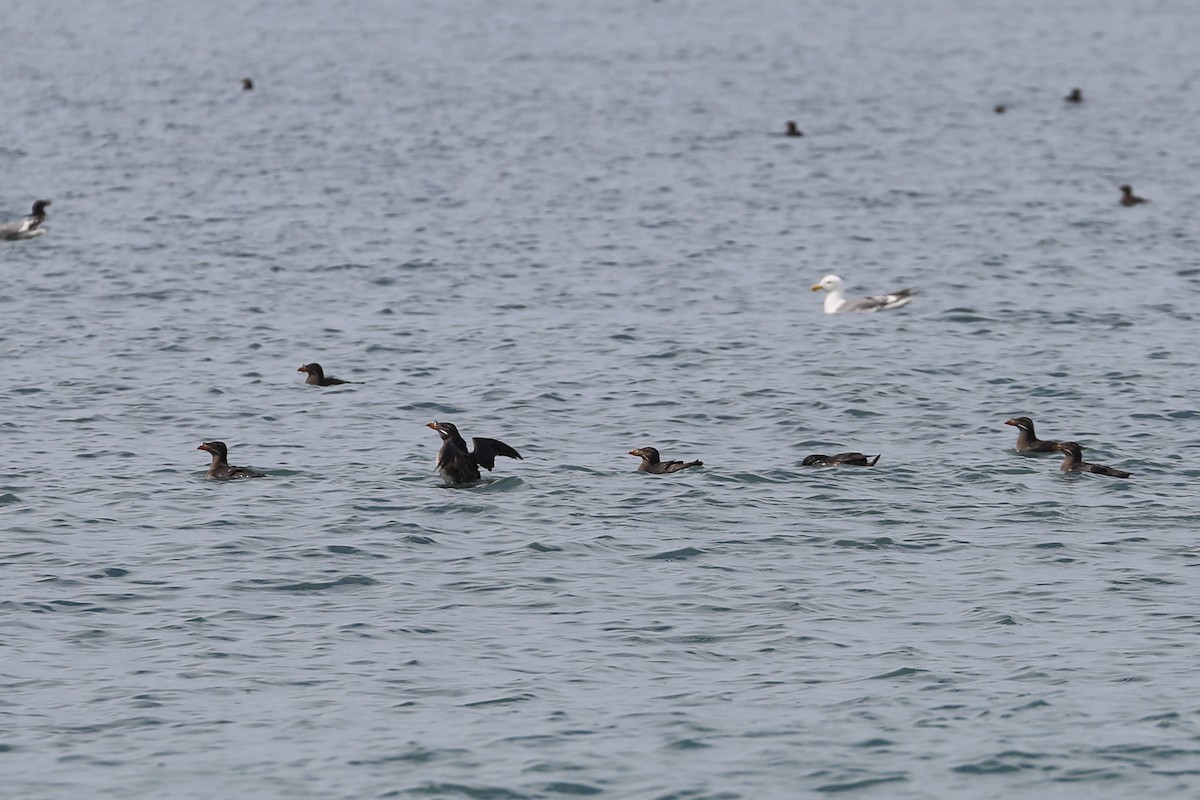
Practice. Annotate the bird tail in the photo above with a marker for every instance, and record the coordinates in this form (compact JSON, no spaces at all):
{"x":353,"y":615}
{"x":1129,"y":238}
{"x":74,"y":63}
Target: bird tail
{"x":871,"y":462}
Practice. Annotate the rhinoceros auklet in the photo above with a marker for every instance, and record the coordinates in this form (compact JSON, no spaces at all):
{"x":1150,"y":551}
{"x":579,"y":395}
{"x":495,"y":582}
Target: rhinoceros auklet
{"x":841,"y":459}
{"x":27,"y":226}
{"x":836,"y":302}
{"x":220,"y":469}
{"x":1027,"y":441}
{"x":316,"y":376}
{"x":1076,"y":96}
{"x":459,"y":465}
{"x":1073,"y":461}
{"x":792,"y":130}
{"x":652,"y":462}
{"x":1128,"y":198}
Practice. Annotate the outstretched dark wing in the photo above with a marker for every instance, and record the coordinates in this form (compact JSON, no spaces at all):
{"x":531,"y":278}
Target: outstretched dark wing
{"x":486,"y":451}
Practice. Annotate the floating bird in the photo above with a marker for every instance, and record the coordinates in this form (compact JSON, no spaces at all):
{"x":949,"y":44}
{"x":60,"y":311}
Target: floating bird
{"x":27,"y":226}
{"x":1027,"y":441}
{"x":1076,"y":96}
{"x":841,"y":459}
{"x":459,"y":465}
{"x":220,"y":469}
{"x":1000,"y":108}
{"x":1128,"y":198}
{"x":1073,"y":461}
{"x":836,"y":302}
{"x":651,"y":462}
{"x":247,"y":84}
{"x":316,"y":376}
{"x":792,"y":130}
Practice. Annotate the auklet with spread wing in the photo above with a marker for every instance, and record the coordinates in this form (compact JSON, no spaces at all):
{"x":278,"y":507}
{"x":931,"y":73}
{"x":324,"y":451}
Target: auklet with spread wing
{"x":653,"y":463}
{"x":220,"y":468}
{"x":459,"y":465}
{"x":1027,"y":441}
{"x":1073,"y":461}
{"x":316,"y":376}
{"x":841,"y":459}
{"x":836,"y":302}
{"x":27,"y":226}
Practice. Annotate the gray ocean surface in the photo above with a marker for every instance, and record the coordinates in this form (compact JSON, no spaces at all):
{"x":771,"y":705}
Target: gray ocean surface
{"x":574,"y":227}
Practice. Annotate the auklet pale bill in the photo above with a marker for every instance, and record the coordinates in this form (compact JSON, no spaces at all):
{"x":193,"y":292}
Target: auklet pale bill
{"x":27,"y":226}
{"x":459,"y":465}
{"x":316,"y":376}
{"x":839,"y":460}
{"x":1027,"y":441}
{"x":220,"y":468}
{"x":1073,"y":462}
{"x":836,"y":302}
{"x":1128,"y":198}
{"x":652,"y":462}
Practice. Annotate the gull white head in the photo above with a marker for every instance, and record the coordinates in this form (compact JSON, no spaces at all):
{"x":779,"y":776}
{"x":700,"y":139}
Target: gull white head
{"x":835,"y":298}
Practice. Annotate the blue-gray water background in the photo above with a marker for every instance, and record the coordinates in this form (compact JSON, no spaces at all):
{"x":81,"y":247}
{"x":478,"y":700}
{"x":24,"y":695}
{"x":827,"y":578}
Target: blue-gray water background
{"x":570,"y":226}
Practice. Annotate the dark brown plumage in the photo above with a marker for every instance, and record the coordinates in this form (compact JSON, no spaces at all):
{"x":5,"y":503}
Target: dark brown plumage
{"x":1073,"y":462}
{"x":459,"y":465}
{"x":1027,"y":441}
{"x":1128,"y":198}
{"x":316,"y":376}
{"x":839,"y":460}
{"x":220,"y":468}
{"x":653,"y":463}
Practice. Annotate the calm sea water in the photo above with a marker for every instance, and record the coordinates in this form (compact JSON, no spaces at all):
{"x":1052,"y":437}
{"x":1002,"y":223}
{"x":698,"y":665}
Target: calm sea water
{"x":572,"y":227}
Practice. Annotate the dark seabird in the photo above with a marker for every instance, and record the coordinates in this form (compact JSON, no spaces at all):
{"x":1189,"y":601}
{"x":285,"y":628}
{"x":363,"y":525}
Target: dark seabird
{"x":651,"y":462}
{"x":841,"y":459}
{"x":247,"y":84}
{"x":1073,"y":462}
{"x":1128,"y":198}
{"x":316,"y":376}
{"x":792,"y":130}
{"x":220,"y":469}
{"x":836,"y":302}
{"x":27,"y":226}
{"x":999,"y":109}
{"x":1076,"y":96}
{"x":1027,"y":441}
{"x":459,"y":465}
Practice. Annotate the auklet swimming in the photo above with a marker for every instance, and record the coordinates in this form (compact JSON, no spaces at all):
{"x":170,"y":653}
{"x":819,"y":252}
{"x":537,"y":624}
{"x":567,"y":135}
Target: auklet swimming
{"x":316,"y":376}
{"x":220,"y":469}
{"x":1073,"y":461}
{"x":652,"y":463}
{"x":247,"y":84}
{"x":459,"y":465}
{"x":999,"y":109}
{"x":836,"y":302}
{"x":1027,"y":441}
{"x":1076,"y":96}
{"x":841,"y":459}
{"x":792,"y":130}
{"x":27,"y":226}
{"x":1128,"y":198}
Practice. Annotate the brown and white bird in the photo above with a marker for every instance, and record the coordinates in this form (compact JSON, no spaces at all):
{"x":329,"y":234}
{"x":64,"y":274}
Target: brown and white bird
{"x":1073,"y":462}
{"x":27,"y":226}
{"x":220,"y":469}
{"x":652,"y":462}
